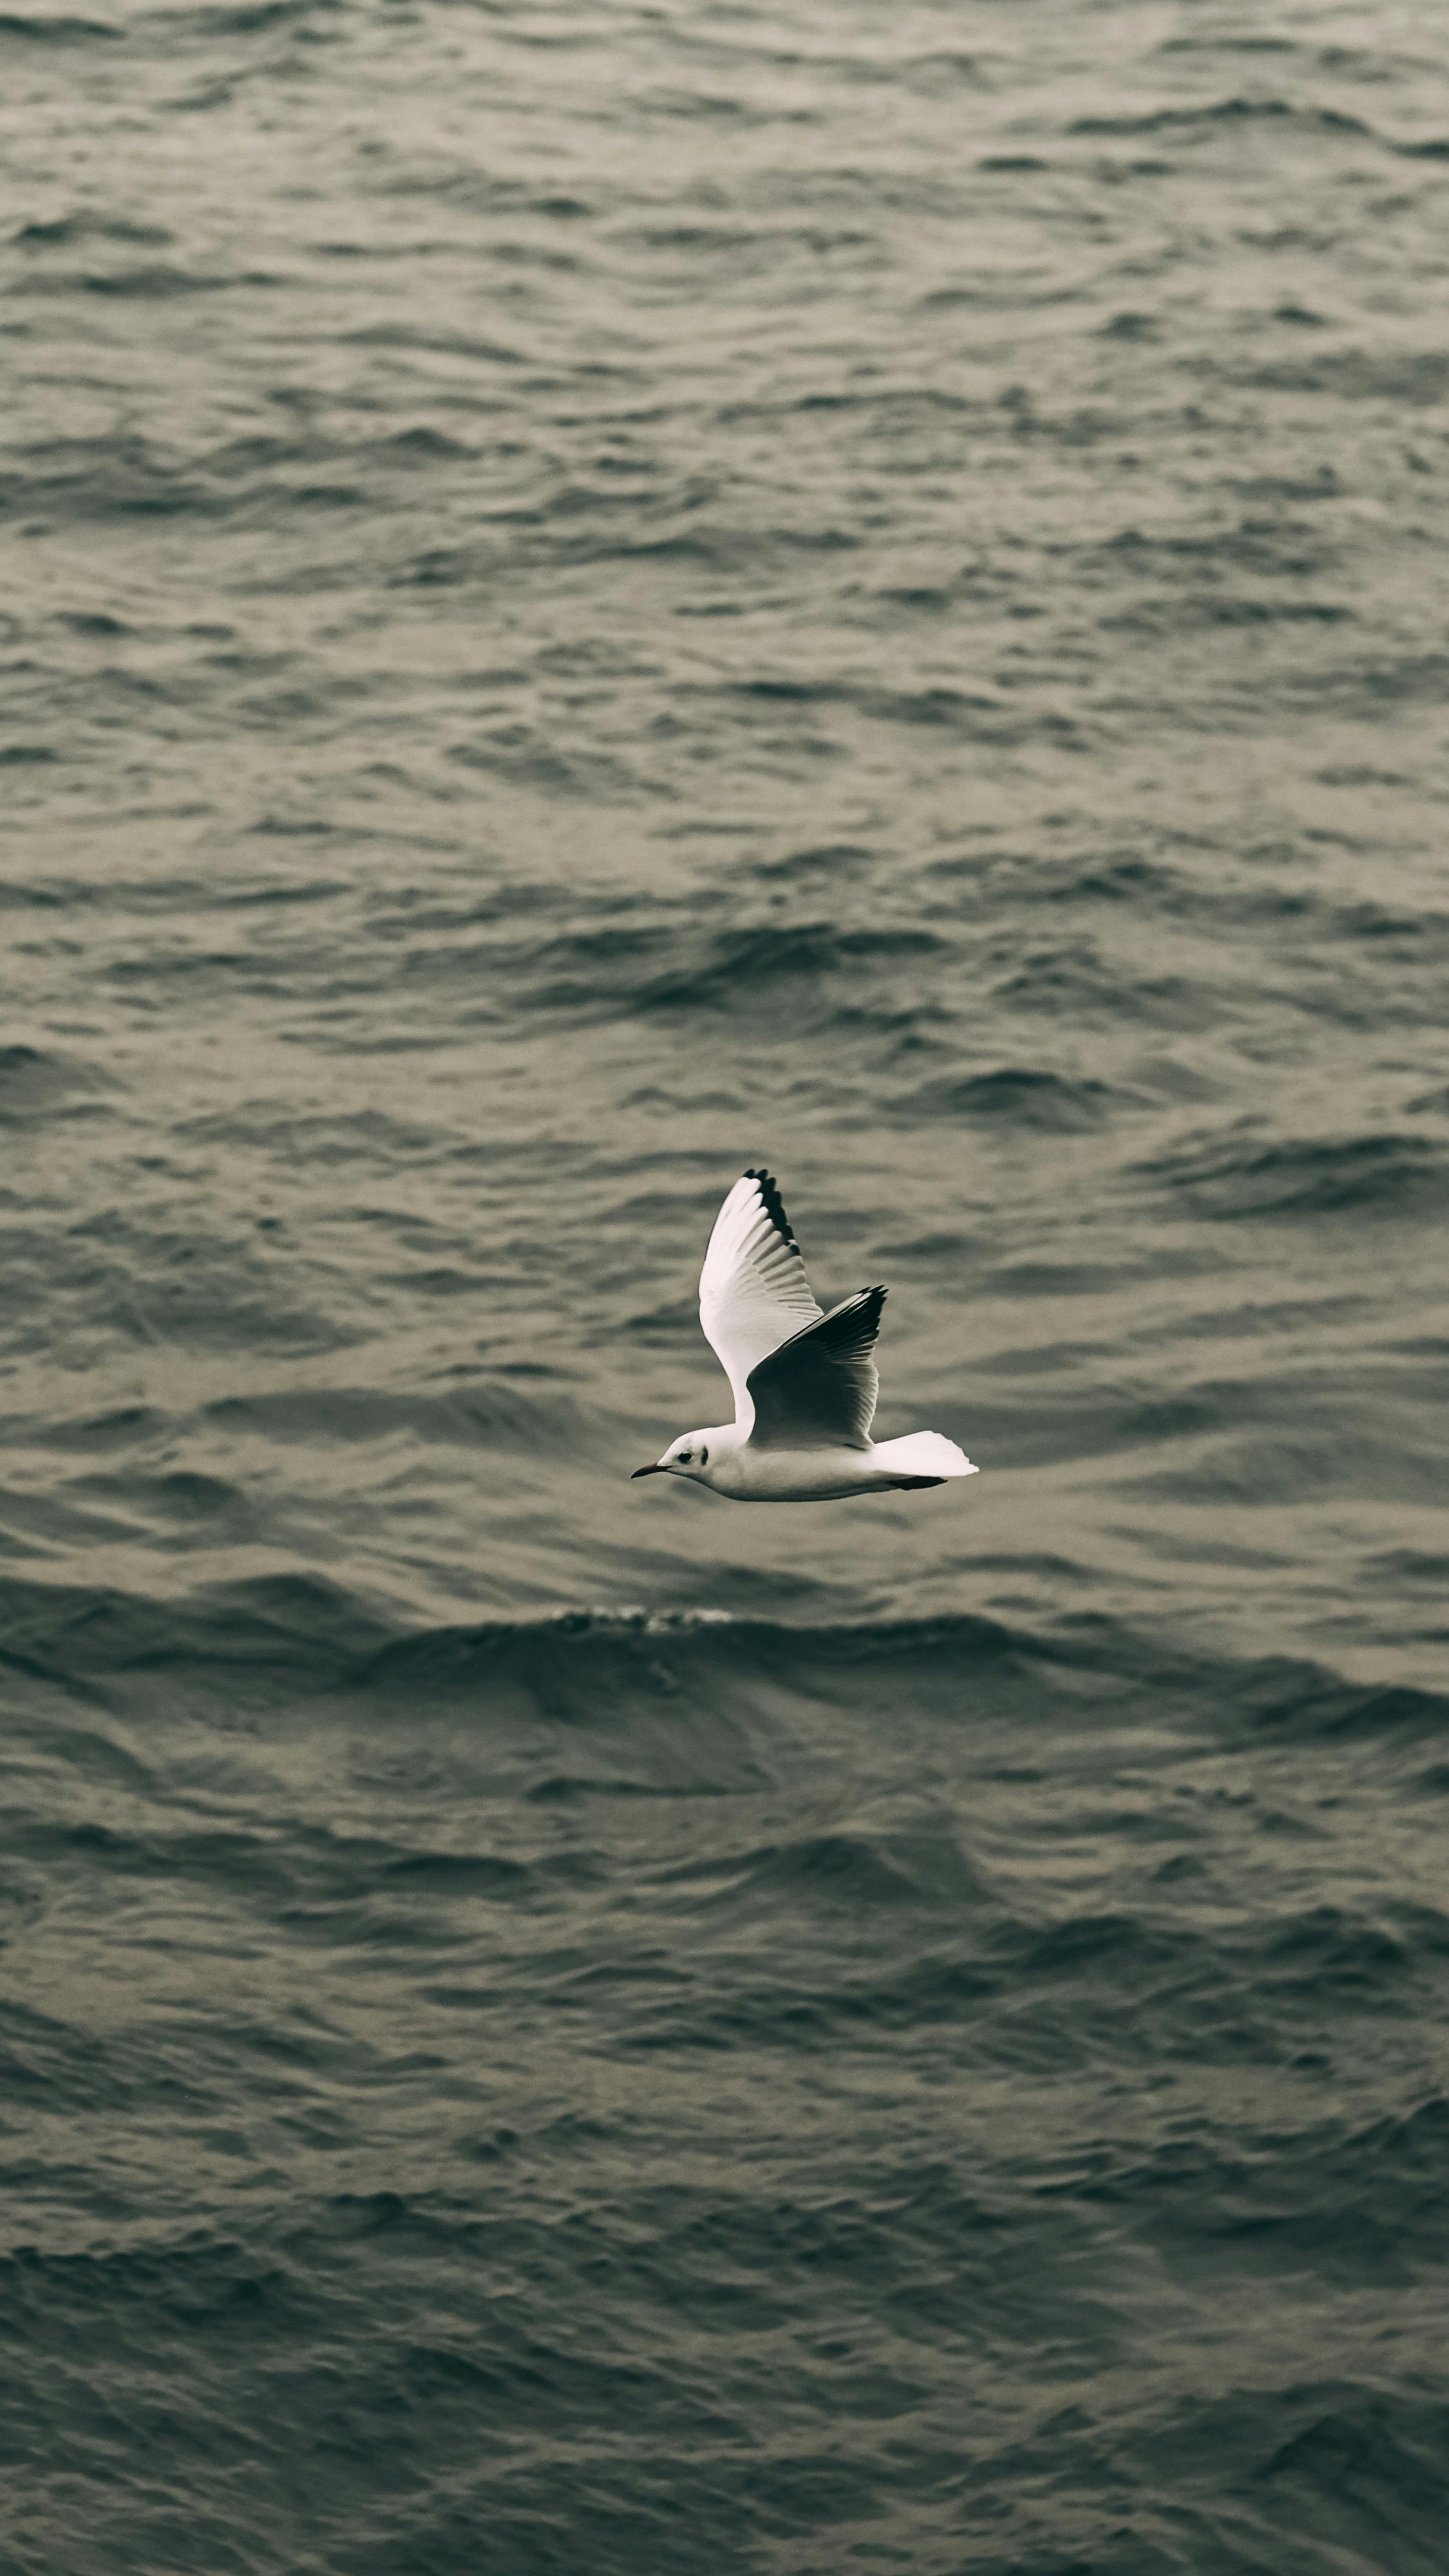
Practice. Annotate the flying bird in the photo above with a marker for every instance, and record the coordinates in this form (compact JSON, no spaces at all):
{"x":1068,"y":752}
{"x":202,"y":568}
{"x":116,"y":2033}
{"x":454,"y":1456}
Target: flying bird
{"x":804,"y":1382}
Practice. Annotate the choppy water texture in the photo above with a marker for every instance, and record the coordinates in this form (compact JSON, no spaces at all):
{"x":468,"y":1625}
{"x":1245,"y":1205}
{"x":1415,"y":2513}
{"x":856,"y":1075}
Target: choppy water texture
{"x":594,"y":595}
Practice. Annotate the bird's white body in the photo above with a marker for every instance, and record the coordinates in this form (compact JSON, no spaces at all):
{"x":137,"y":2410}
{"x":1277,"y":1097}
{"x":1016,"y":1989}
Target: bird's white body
{"x":804,"y":1382}
{"x":749,"y":1474}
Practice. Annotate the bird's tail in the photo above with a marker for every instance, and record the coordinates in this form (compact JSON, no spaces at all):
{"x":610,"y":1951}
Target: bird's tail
{"x":922,"y":1453}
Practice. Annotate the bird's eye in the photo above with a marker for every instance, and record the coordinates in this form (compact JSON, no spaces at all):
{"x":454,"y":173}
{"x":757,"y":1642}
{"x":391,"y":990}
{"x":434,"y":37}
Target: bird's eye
{"x":686,"y":1457}
{"x":704,"y":1457}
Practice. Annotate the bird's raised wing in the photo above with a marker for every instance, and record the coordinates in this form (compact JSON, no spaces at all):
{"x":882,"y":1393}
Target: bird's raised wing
{"x":818,"y":1390}
{"x":753,"y":1292}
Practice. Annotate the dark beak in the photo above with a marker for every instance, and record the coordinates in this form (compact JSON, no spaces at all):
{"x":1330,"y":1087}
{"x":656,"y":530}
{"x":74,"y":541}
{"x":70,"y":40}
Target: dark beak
{"x":655,"y":1470}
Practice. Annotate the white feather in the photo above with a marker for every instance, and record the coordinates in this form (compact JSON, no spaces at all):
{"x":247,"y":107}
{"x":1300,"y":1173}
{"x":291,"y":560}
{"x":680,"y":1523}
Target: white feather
{"x":753,"y":1292}
{"x":922,"y":1453}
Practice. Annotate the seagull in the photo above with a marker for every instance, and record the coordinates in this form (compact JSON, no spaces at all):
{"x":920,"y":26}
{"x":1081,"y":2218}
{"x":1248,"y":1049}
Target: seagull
{"x":804,"y":1382}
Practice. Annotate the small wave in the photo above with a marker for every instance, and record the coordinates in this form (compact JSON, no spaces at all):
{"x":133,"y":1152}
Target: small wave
{"x":492,"y":1410}
{"x":1194,"y":612}
{"x":860,"y":1872}
{"x":156,"y":282}
{"x":252,"y":18}
{"x":34,"y":1082}
{"x":1340,"y":2198}
{"x":322,"y":1140}
{"x":745,"y":963}
{"x":1078,"y":977}
{"x":1318,"y":1705}
{"x":189,"y":2283}
{"x":1221,"y":112}
{"x":118,"y":476}
{"x":655,"y":968}
{"x":86,"y":225}
{"x":1240,"y":1176}
{"x":19,"y":30}
{"x":1014,"y":1096}
{"x":1401,"y":376}
{"x":302,"y":1624}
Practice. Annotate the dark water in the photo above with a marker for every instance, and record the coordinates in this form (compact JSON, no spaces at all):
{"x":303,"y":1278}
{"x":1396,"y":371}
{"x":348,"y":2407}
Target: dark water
{"x":594,"y":595}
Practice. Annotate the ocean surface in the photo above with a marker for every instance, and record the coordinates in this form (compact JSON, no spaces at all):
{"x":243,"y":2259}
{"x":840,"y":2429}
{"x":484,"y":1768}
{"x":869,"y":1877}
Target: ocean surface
{"x":595,"y":594}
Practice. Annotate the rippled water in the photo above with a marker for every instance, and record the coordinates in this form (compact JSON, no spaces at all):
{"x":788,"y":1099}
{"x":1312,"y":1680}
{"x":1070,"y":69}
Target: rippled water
{"x":596,"y":595}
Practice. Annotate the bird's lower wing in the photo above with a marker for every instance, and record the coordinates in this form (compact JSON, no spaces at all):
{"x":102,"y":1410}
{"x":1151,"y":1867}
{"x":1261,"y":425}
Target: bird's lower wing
{"x":818,"y":1390}
{"x":753,"y":1292}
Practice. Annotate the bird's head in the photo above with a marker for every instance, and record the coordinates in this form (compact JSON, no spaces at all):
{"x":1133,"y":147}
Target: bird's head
{"x":689,"y":1455}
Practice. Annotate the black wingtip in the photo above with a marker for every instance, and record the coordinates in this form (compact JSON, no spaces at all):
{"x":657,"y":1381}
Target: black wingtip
{"x":774,"y":1205}
{"x":863,"y":1309}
